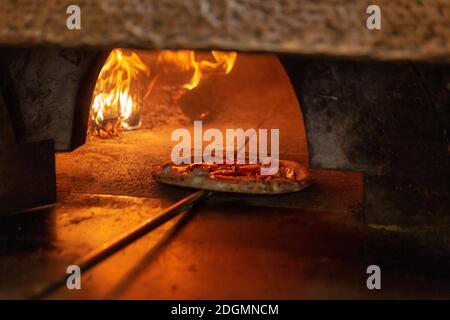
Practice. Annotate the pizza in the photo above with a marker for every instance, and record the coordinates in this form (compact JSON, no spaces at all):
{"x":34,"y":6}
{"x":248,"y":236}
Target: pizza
{"x":238,"y":178}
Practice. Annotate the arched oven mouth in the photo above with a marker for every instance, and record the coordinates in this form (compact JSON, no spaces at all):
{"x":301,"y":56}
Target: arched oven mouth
{"x":165,"y":90}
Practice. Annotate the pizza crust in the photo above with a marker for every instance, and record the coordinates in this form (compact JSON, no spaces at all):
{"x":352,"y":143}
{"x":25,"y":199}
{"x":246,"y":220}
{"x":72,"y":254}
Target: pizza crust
{"x":276,"y":185}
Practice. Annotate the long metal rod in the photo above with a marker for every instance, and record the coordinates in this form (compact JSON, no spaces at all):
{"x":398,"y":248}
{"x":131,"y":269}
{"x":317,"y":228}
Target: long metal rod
{"x":126,"y":238}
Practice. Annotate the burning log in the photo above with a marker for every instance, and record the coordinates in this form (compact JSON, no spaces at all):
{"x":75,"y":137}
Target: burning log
{"x":107,"y":129}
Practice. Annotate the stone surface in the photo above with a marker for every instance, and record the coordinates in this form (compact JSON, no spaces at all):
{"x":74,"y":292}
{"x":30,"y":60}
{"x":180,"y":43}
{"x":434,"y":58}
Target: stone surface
{"x":410,"y":29}
{"x":382,"y":119}
{"x":220,"y":251}
{"x":41,"y":88}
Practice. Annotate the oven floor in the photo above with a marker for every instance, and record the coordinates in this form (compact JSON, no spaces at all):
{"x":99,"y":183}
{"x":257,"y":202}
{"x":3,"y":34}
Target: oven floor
{"x":226,"y":251}
{"x":122,"y":166}
{"x":309,"y":245}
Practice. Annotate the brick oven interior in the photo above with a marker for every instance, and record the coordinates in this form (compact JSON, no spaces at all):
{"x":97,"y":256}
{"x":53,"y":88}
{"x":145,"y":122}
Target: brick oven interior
{"x":256,"y":94}
{"x":372,"y":126}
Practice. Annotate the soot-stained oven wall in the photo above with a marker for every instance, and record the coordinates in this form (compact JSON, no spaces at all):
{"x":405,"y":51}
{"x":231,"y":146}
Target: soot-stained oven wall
{"x":415,"y":30}
{"x":388,"y":120}
{"x":48,"y":91}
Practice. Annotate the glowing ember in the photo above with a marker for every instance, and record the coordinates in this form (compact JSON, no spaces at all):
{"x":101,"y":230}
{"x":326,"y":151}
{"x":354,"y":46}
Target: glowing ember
{"x":118,"y":93}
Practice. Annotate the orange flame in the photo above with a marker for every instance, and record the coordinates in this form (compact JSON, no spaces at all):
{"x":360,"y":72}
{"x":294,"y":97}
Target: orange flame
{"x":116,"y":91}
{"x":113,"y":93}
{"x":186,"y":61}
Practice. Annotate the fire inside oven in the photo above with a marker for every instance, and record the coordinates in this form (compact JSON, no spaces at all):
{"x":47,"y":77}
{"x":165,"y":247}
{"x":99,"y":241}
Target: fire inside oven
{"x":105,"y":187}
{"x":141,"y":97}
{"x":130,"y":83}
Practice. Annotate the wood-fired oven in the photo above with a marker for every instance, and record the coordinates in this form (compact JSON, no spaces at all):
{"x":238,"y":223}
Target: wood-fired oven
{"x":85,"y":114}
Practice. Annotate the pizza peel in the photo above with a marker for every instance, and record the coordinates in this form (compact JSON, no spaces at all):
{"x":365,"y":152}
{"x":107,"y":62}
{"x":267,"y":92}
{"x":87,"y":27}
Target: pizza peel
{"x":123,"y":240}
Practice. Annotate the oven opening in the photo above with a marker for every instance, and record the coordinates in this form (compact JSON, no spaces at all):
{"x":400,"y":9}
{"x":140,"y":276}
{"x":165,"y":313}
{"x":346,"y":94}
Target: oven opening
{"x":140,"y":98}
